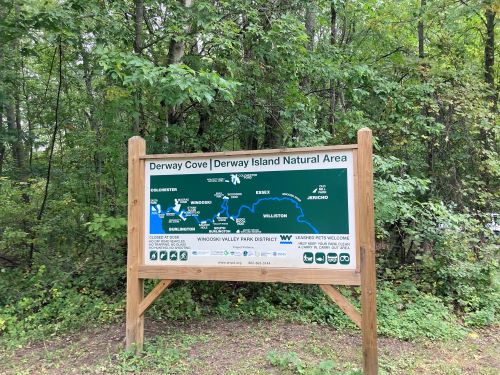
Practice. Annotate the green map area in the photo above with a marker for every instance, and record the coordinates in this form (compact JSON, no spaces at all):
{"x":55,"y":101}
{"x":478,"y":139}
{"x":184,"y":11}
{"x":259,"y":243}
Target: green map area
{"x":302,"y":202}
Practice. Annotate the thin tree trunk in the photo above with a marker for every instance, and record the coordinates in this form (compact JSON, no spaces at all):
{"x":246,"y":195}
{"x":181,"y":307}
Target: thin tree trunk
{"x":310,"y":25}
{"x":248,"y":135}
{"x":29,"y":141}
{"x":423,"y":78}
{"x":3,"y":132}
{"x":17,"y":103}
{"x":333,"y":93}
{"x":420,"y":29}
{"x":21,"y":161}
{"x":54,"y":135}
{"x":94,"y":124}
{"x":251,"y":142}
{"x":489,"y":78}
{"x":2,"y":144}
{"x":176,"y":48}
{"x":16,"y":145}
{"x":271,"y":130}
{"x":19,"y":130}
{"x":12,"y":107}
{"x":204,"y":123}
{"x":175,"y":55}
{"x":489,"y":54}
{"x":139,"y":122}
{"x":51,"y":150}
{"x":139,"y":17}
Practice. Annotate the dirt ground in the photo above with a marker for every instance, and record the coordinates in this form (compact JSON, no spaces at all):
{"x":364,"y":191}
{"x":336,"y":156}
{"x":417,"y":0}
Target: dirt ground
{"x":235,"y":347}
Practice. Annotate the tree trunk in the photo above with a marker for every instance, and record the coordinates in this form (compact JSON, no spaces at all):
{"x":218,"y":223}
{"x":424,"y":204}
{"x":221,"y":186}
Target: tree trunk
{"x":310,"y":24}
{"x":3,"y":132}
{"x":248,"y":137}
{"x":94,"y":124}
{"x":489,"y":78}
{"x":139,"y":121}
{"x":176,"y":48}
{"x":420,"y":29}
{"x":139,"y":16}
{"x":489,"y":54}
{"x":271,"y":130}
{"x":333,"y":93}
{"x":423,"y":78}
{"x":16,"y":141}
{"x":13,"y":107}
{"x":29,"y":139}
{"x":2,"y":144}
{"x":17,"y":101}
{"x":54,"y":135}
{"x":204,"y":122}
{"x":251,"y":142}
{"x":175,"y":55}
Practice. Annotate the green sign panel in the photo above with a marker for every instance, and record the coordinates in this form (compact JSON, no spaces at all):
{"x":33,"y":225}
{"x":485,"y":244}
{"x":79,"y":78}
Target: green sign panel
{"x":288,"y":210}
{"x":267,"y":202}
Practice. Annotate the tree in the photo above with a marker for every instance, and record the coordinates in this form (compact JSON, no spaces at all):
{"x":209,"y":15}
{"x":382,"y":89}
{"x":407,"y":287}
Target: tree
{"x":78,"y":78}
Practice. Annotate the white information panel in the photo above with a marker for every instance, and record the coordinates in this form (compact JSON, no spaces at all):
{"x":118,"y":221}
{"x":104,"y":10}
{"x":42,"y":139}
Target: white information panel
{"x":272,"y":210}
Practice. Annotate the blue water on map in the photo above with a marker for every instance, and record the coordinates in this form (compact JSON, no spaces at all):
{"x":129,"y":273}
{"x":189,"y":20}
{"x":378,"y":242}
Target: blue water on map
{"x":155,"y":222}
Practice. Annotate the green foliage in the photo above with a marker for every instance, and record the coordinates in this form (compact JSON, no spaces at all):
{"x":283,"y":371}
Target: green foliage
{"x":396,"y":194}
{"x":175,"y":84}
{"x":42,"y":309}
{"x":236,"y":75}
{"x":159,"y":355}
{"x":403,"y":312}
{"x":290,"y":363}
{"x":155,"y":356}
{"x":106,"y":227}
{"x":463,"y":262}
{"x":43,"y":304}
{"x":15,"y":237}
{"x":178,"y":303}
{"x":408,"y":314}
{"x":287,"y":361}
{"x":434,"y":246}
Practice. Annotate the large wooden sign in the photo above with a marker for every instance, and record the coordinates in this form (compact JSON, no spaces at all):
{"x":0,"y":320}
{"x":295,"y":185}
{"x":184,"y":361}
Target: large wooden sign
{"x":288,"y":215}
{"x":281,"y":210}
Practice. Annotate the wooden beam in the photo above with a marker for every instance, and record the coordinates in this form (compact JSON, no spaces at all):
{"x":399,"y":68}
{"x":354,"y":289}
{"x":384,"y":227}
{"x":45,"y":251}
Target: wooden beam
{"x":367,"y":252}
{"x":342,"y":302}
{"x":356,"y":208}
{"x":284,"y":275}
{"x":135,"y":238}
{"x":157,"y":290}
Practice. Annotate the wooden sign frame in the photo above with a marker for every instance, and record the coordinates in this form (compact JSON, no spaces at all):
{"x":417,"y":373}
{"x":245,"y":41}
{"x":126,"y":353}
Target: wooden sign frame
{"x":364,"y":274}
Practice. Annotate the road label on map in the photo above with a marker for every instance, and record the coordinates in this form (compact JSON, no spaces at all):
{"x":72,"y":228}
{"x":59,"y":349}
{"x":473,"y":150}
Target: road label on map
{"x":281,"y":210}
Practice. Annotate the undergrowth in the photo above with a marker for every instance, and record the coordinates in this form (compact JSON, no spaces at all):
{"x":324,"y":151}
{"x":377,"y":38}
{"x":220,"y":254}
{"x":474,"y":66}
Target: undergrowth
{"x":291,"y":363}
{"x":43,"y":310}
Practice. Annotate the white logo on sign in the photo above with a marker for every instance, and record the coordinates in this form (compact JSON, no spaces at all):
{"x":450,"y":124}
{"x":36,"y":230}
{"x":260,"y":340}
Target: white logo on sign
{"x":235,"y":179}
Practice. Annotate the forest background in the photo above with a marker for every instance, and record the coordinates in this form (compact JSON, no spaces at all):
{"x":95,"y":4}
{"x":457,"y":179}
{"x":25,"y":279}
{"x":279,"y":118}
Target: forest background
{"x":78,"y":78}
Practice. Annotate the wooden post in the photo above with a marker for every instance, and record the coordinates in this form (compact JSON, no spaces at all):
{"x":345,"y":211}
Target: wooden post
{"x":135,"y":243}
{"x":367,"y":252}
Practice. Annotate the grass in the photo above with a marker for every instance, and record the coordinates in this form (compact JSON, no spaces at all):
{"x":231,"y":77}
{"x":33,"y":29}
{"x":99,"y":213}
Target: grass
{"x":248,"y":348}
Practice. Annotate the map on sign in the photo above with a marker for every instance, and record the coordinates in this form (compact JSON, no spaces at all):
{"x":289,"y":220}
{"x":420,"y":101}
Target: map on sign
{"x":265,"y":202}
{"x":285,"y":211}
